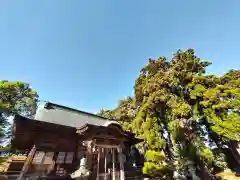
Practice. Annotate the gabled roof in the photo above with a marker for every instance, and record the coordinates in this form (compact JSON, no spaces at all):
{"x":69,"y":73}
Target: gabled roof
{"x":62,"y":115}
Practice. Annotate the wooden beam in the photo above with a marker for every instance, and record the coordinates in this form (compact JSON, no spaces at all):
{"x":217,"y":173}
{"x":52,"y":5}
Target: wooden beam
{"x":107,"y":146}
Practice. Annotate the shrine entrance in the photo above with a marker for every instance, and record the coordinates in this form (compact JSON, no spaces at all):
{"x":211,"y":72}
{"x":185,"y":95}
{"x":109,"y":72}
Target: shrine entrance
{"x":109,"y":163}
{"x":105,"y":150}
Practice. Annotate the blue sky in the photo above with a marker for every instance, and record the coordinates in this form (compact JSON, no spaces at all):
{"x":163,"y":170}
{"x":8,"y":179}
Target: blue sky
{"x":87,"y":53}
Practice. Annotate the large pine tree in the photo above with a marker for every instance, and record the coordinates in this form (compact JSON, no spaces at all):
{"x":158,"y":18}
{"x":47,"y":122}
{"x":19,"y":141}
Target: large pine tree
{"x":182,"y":113}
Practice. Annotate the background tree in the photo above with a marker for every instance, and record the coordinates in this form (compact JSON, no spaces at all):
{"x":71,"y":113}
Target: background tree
{"x":15,"y":98}
{"x":125,"y":112}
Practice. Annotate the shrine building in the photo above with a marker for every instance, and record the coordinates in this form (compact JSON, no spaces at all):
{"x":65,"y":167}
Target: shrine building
{"x":60,"y":140}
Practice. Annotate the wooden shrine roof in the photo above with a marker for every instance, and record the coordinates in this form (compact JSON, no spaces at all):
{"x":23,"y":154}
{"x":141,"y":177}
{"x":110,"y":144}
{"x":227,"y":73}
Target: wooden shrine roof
{"x":26,"y":130}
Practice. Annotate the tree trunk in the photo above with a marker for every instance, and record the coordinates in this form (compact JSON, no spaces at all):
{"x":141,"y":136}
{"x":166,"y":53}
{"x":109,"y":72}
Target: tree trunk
{"x":233,"y":146}
{"x":203,"y":171}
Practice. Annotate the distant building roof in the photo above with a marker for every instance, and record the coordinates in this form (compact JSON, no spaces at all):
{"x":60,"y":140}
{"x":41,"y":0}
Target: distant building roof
{"x":58,"y":114}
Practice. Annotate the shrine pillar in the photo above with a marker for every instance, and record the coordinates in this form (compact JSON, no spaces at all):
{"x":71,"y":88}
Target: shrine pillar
{"x":113,"y":163}
{"x":121,"y":159}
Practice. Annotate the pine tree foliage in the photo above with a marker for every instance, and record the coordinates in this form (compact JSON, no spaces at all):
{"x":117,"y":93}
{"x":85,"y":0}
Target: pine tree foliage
{"x":181,"y":113}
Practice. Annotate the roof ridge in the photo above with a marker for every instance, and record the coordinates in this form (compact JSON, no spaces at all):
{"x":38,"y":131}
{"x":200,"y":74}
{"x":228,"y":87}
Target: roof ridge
{"x":50,"y":105}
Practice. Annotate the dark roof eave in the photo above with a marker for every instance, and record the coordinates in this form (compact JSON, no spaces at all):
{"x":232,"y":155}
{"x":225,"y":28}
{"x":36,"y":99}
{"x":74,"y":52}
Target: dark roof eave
{"x":20,"y":118}
{"x":126,"y":134}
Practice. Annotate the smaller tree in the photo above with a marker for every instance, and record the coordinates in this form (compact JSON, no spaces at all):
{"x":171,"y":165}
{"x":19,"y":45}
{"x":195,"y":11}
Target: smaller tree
{"x":15,"y":98}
